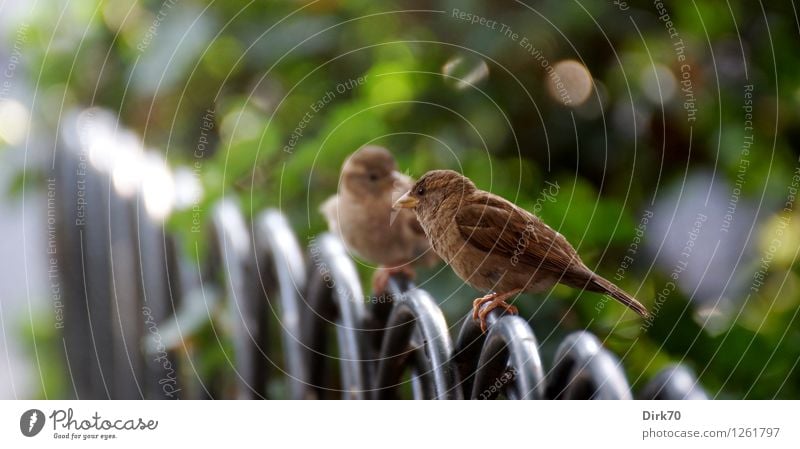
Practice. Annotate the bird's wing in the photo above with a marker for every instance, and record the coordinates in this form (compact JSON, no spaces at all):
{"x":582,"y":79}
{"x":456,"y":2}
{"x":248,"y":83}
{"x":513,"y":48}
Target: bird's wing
{"x":330,"y":210}
{"x":498,"y":227}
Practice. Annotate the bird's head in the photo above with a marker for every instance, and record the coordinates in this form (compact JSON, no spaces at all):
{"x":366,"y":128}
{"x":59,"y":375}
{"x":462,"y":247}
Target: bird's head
{"x":433,"y":189}
{"x":370,"y":171}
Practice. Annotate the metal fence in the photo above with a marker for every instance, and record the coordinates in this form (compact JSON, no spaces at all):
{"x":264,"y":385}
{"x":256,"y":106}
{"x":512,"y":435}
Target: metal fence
{"x":133,"y":304}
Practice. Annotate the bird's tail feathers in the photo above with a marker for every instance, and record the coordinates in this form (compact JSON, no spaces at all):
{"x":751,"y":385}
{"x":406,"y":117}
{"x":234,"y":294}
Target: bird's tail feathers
{"x":601,"y":285}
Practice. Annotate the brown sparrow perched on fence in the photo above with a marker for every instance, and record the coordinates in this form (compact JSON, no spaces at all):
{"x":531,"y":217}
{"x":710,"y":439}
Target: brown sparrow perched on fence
{"x":362,"y":215}
{"x":496,"y":246}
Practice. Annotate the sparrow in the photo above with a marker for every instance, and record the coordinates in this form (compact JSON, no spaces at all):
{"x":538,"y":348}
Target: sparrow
{"x":496,"y":246}
{"x":362,"y":215}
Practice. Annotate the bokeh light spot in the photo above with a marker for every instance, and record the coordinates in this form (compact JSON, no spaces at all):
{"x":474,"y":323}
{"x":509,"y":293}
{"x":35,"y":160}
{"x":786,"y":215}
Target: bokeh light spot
{"x":14,"y":120}
{"x":658,"y":83}
{"x":463,"y":71}
{"x":569,"y":82}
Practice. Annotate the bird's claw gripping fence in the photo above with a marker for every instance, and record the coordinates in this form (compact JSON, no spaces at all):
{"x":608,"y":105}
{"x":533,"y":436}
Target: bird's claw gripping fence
{"x":133,"y":305}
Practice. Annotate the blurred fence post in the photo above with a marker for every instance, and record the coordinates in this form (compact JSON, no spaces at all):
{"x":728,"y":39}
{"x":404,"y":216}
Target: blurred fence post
{"x":83,"y":264}
{"x":675,"y":382}
{"x":232,"y":264}
{"x":159,"y":296}
{"x":335,"y":299}
{"x":124,"y":298}
{"x":279,"y":261}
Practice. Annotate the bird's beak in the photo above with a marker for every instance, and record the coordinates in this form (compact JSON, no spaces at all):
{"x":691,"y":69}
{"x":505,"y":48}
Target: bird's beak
{"x":406,"y":202}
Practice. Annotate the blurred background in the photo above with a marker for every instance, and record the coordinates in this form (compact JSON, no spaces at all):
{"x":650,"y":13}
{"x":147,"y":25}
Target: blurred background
{"x":661,"y":139}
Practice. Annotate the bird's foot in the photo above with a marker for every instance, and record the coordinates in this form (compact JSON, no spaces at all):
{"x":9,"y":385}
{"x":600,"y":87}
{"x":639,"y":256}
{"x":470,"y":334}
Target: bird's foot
{"x":380,"y":279}
{"x":485,"y":304}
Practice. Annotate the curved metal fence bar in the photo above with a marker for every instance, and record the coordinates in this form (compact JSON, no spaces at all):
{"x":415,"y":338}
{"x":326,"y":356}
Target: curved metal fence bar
{"x":583,"y":369}
{"x":415,"y":324}
{"x":335,"y":299}
{"x":673,"y":382}
{"x":505,"y":359}
{"x":232,"y":247}
{"x":318,"y":310}
{"x":280,"y":260}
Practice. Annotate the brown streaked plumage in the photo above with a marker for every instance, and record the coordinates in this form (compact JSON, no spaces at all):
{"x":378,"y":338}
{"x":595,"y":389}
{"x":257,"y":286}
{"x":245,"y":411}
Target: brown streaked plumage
{"x":362,"y":215}
{"x":495,"y":246}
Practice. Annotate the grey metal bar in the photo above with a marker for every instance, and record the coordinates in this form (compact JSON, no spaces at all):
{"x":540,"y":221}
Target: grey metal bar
{"x":505,"y":359}
{"x":247,"y":312}
{"x":583,"y":369}
{"x":157,"y":304}
{"x":415,"y":311}
{"x":125,"y":296}
{"x":279,"y":258}
{"x":674,"y":382}
{"x":335,"y":297}
{"x":84,"y":265}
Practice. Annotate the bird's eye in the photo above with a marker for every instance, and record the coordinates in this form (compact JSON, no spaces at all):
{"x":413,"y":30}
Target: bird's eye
{"x":373,"y":177}
{"x":420,"y":190}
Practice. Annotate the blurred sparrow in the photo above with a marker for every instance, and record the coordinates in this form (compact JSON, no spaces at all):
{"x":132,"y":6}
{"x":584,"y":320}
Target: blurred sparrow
{"x":362,"y":215}
{"x":496,"y":246}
